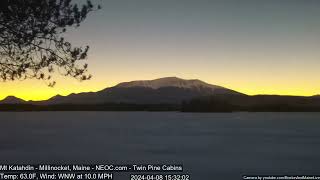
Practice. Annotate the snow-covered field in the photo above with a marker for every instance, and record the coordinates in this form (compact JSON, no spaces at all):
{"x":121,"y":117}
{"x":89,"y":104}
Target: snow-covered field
{"x":210,"y":146}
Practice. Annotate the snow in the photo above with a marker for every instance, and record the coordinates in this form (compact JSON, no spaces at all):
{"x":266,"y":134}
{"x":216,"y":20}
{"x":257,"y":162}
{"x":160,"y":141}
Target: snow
{"x":168,"y":82}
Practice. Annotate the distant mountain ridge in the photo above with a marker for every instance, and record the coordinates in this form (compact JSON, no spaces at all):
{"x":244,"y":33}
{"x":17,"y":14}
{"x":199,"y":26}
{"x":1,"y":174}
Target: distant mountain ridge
{"x":168,"y":82}
{"x":12,"y":100}
{"x":167,"y":92}
{"x":170,"y":90}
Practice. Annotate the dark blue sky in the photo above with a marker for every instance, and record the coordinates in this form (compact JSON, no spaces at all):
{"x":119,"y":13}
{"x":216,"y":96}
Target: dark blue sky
{"x":253,"y":46}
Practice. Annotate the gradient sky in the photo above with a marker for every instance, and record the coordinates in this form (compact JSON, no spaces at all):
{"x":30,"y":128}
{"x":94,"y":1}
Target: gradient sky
{"x":255,"y":47}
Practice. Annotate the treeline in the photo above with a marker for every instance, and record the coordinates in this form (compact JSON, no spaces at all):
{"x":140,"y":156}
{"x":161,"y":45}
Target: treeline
{"x":207,"y":104}
{"x":89,"y":107}
{"x":218,"y":103}
{"x":260,"y":103}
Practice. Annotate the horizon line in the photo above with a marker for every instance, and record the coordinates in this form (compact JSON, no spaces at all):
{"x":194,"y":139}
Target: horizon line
{"x":258,"y":94}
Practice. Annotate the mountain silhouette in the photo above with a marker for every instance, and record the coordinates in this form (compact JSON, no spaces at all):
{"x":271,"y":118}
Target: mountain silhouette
{"x":12,"y":100}
{"x":170,"y":90}
{"x":170,"y":93}
{"x":169,"y":82}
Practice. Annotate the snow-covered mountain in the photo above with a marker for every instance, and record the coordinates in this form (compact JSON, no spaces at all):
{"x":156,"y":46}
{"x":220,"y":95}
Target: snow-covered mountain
{"x":169,"y":82}
{"x":167,"y":93}
{"x":164,"y":90}
{"x":170,"y":90}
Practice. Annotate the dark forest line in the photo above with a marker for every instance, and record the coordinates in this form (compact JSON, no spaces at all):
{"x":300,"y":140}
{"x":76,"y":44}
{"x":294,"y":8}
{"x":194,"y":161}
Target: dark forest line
{"x":217,"y":103}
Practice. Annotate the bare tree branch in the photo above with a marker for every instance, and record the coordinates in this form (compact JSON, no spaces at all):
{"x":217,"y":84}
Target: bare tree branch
{"x":32,"y":42}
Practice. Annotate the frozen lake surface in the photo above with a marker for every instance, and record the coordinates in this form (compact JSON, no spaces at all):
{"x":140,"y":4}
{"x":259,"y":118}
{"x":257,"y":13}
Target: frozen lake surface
{"x":209,"y":145}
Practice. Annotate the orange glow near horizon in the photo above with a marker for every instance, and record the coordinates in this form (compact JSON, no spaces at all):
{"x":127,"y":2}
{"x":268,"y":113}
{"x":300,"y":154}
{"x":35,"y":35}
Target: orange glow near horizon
{"x":258,"y":48}
{"x":243,"y":75}
{"x":38,"y":90}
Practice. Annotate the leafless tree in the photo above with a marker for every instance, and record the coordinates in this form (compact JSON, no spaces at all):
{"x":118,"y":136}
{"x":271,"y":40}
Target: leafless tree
{"x":32,"y":44}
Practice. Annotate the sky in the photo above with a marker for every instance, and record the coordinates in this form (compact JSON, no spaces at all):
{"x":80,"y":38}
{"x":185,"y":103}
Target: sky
{"x":255,"y":47}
